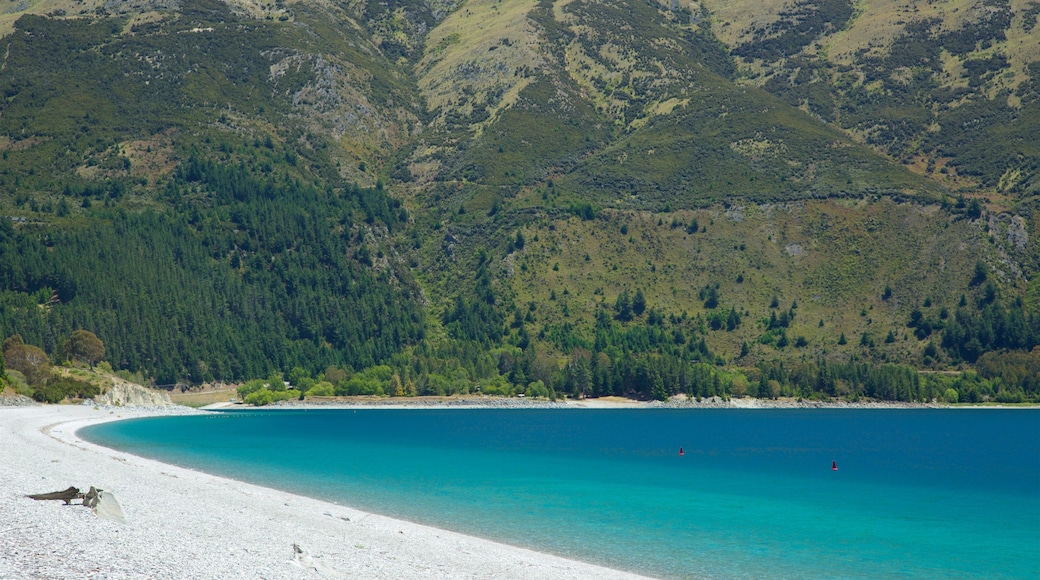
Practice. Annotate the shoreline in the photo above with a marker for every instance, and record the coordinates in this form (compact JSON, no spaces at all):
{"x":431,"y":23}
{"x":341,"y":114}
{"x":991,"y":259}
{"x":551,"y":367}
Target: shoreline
{"x":477,"y":402}
{"x":188,"y":524}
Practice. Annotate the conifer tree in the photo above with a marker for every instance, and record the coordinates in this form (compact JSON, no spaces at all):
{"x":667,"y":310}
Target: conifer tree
{"x":623,"y":306}
{"x":638,"y":302}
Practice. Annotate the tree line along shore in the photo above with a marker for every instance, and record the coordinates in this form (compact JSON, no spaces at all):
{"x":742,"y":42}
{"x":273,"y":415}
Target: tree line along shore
{"x":79,"y":373}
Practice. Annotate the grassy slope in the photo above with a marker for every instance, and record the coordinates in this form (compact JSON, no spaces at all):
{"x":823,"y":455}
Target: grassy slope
{"x":667,"y":137}
{"x":834,"y":258}
{"x":623,"y":104}
{"x":957,"y":81}
{"x":877,"y":25}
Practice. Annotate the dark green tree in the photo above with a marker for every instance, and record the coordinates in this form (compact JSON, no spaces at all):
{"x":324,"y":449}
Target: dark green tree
{"x":733,"y":319}
{"x":638,"y":303}
{"x":623,"y":306}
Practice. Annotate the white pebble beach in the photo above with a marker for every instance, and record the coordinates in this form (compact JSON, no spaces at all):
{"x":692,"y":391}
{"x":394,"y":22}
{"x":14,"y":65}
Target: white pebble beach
{"x":187,"y":524}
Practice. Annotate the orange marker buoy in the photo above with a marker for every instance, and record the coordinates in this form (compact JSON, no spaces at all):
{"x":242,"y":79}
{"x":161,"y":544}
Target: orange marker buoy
{"x":834,"y":466}
{"x":681,"y":452}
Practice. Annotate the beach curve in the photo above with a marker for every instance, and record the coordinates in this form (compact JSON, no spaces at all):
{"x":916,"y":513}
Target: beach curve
{"x":187,"y":524}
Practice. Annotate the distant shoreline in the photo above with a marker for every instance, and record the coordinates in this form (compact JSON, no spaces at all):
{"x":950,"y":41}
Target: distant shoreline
{"x":679,"y":402}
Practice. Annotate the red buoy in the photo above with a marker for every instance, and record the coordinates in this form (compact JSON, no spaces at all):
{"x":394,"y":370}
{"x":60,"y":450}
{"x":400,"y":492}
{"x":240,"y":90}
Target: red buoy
{"x":834,"y":466}
{"x":681,"y":452}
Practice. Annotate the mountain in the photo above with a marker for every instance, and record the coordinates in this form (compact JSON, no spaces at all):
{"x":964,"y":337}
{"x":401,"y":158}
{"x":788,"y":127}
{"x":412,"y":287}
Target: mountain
{"x":636,"y":198}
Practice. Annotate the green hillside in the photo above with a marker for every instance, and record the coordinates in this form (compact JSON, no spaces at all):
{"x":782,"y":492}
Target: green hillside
{"x":629,"y":105}
{"x":569,"y":197}
{"x":948,"y":88}
{"x":165,"y":197}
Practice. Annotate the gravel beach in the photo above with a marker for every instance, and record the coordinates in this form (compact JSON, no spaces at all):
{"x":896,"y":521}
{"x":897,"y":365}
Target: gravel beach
{"x":186,"y":524}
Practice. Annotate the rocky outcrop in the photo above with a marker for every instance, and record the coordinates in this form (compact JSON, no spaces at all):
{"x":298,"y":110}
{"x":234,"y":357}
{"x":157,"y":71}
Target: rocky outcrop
{"x":131,"y":395}
{"x":16,"y":401}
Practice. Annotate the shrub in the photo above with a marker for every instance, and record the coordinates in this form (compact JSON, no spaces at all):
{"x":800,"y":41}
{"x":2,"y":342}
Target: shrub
{"x":30,"y":360}
{"x":260,"y":398}
{"x":266,"y":397}
{"x":537,"y":390}
{"x":360,"y":385}
{"x":1010,"y":396}
{"x":61,"y":388}
{"x":249,"y":387}
{"x":322,"y":389}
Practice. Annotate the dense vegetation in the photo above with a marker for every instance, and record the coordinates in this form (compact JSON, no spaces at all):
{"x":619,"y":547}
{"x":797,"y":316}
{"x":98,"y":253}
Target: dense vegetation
{"x":264,"y":275}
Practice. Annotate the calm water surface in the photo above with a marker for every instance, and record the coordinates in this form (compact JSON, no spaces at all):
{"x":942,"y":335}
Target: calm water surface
{"x":918,"y":494}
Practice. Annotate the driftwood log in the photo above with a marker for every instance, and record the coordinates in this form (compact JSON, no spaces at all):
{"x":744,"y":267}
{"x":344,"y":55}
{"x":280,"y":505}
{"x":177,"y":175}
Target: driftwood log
{"x":103,"y":504}
{"x":68,"y":495}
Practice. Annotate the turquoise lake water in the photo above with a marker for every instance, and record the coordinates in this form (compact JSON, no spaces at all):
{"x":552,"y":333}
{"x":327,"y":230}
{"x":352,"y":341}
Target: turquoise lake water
{"x":918,"y":494}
